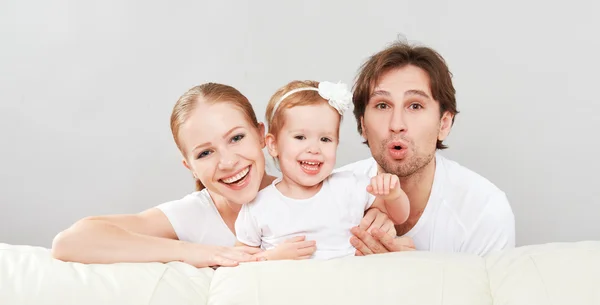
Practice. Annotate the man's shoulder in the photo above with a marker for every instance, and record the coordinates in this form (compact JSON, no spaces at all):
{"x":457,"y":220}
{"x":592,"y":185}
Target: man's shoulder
{"x":366,"y":166}
{"x":467,"y":193}
{"x":459,"y":180}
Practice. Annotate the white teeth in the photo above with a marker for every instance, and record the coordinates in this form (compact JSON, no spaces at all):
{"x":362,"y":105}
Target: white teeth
{"x":310,"y":163}
{"x":237,"y":177}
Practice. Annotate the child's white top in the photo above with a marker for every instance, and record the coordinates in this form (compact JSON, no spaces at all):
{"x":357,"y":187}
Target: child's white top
{"x":326,"y":218}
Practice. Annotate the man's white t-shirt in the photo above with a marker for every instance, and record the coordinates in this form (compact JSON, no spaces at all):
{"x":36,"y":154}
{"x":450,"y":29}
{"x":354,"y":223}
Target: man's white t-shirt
{"x":327,"y":217}
{"x":195,"y":218}
{"x":465,"y":211}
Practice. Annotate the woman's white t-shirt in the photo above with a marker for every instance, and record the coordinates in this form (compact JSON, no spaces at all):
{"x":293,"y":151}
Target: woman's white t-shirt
{"x":195,"y":218}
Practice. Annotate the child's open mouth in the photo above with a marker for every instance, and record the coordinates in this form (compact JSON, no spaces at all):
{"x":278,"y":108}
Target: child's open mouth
{"x":310,"y":167}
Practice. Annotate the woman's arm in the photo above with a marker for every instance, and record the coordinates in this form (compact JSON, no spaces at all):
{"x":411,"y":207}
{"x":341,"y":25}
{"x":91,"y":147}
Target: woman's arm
{"x":143,"y":237}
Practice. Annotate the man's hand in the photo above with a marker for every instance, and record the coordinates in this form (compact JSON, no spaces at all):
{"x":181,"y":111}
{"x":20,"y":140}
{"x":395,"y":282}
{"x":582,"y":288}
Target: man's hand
{"x":376,"y":219}
{"x":378,"y":242}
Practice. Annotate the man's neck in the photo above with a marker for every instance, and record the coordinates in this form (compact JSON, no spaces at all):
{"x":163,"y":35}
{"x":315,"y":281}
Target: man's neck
{"x":418,"y":189}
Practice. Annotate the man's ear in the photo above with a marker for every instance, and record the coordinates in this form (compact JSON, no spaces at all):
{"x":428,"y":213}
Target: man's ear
{"x":271,"y":145}
{"x":362,"y":127}
{"x":445,"y":125}
{"x":261,"y":134}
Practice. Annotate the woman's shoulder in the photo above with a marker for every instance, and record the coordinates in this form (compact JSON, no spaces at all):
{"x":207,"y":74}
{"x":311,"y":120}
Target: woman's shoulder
{"x":195,"y":201}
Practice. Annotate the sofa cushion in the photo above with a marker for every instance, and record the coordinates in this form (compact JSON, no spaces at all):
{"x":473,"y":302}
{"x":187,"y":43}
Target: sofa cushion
{"x":395,"y":278}
{"x":554,"y":273}
{"x":29,"y":275}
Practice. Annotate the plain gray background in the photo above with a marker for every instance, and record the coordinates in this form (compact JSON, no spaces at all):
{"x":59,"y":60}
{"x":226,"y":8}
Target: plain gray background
{"x":87,"y":87}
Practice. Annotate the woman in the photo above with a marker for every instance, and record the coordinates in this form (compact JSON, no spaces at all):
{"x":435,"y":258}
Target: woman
{"x":221,"y":141}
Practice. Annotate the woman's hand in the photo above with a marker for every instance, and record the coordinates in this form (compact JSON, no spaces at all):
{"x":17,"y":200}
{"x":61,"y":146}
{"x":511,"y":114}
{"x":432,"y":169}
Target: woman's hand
{"x":201,"y":256}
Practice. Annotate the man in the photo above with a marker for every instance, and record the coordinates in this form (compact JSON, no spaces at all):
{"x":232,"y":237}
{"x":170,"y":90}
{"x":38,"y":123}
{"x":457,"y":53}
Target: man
{"x":404,"y":104}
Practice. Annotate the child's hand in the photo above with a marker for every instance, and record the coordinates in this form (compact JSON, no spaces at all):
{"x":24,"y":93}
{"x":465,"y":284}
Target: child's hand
{"x":293,"y":248}
{"x":386,"y":186}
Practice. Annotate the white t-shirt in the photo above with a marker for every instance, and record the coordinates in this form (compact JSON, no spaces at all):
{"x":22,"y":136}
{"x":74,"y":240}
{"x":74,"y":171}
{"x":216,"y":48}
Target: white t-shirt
{"x":465,"y":211}
{"x":196,"y":219}
{"x":327,"y":217}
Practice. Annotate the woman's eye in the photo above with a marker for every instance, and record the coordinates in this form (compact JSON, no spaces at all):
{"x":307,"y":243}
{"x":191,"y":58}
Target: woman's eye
{"x":203,"y":154}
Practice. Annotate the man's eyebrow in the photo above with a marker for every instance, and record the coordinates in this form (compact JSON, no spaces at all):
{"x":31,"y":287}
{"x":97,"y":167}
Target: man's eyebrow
{"x":416,"y":92}
{"x":380,"y":93}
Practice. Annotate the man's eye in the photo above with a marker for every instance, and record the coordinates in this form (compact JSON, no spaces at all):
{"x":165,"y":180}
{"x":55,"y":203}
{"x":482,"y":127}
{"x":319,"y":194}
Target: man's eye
{"x":381,"y":106}
{"x":415,"y":106}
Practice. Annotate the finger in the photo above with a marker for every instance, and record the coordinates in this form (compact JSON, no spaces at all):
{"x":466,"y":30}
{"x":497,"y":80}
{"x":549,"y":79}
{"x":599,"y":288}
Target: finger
{"x":394,"y":182}
{"x":306,"y":244}
{"x":380,"y":184}
{"x":358,"y":253}
{"x":305,"y":257}
{"x":294,"y":239}
{"x":223,"y":261}
{"x":393,"y":244}
{"x":386,"y":184}
{"x":249,"y":250}
{"x":370,"y":243}
{"x":360,"y":246}
{"x":307,"y":251}
{"x":374,"y":185}
{"x":370,"y":189}
{"x":388,"y":228}
{"x":379,"y":221}
{"x":368,"y":219}
{"x":236,"y":255}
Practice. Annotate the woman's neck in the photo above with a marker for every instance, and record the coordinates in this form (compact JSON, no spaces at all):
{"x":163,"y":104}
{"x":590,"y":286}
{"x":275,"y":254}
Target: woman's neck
{"x":291,"y":189}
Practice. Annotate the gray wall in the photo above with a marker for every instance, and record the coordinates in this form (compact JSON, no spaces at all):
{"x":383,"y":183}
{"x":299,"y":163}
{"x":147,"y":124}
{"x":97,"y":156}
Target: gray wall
{"x":86,"y":89}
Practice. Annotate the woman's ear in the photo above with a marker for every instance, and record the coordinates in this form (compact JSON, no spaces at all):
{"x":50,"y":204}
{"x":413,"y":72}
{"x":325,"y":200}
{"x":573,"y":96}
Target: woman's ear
{"x":261,"y":134}
{"x":185,"y":163}
{"x":271,"y":145}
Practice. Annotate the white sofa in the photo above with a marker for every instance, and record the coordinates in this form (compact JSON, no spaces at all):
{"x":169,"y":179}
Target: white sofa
{"x":557,"y":273}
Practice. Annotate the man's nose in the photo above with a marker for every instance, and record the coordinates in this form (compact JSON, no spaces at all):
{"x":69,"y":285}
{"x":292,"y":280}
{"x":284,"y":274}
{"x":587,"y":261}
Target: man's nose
{"x":397,"y":122}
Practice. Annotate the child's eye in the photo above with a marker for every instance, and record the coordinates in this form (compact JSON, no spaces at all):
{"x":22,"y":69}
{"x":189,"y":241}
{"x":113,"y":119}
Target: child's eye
{"x":325,"y":139}
{"x":203,"y":154}
{"x":238,"y":137}
{"x":299,"y":137}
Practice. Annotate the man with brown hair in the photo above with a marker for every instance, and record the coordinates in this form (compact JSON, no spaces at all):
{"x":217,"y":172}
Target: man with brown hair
{"x":404,"y":104}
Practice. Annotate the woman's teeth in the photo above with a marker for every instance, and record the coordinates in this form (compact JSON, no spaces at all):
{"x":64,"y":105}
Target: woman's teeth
{"x":237,"y":177}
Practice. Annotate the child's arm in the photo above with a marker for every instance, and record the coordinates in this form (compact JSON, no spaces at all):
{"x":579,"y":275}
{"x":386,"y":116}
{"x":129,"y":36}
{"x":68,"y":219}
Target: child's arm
{"x":390,"y":198}
{"x":293,"y":248}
